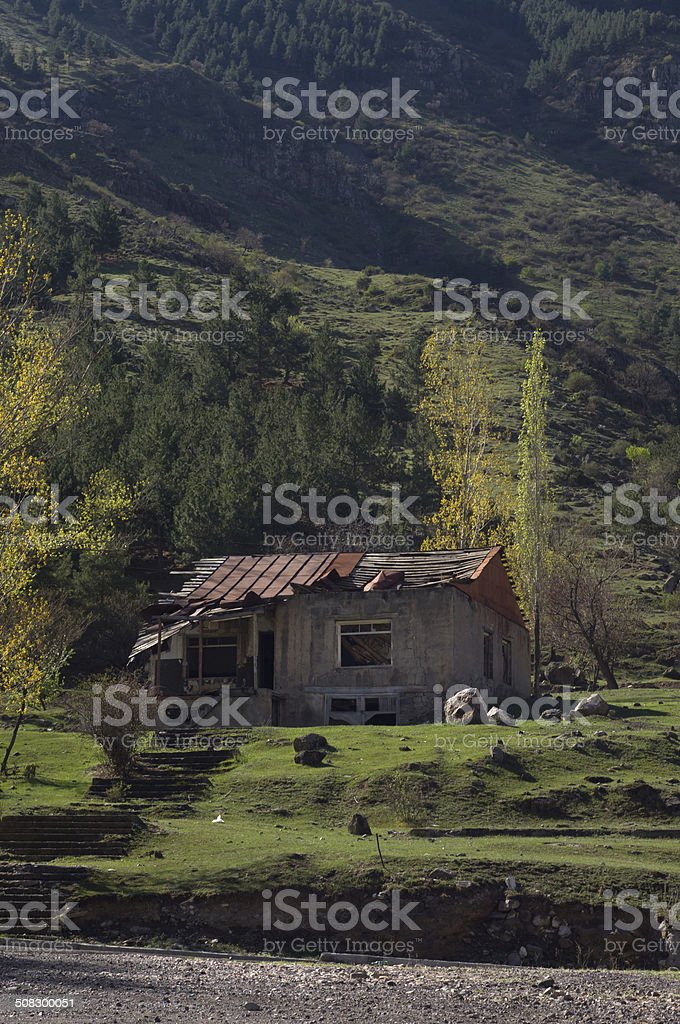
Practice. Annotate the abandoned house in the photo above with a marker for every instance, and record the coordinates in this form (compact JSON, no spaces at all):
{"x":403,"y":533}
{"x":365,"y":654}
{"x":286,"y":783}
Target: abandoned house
{"x":336,"y":639}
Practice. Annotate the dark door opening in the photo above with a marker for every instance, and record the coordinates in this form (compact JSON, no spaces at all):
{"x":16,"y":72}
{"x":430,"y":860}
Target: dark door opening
{"x":265,"y":661}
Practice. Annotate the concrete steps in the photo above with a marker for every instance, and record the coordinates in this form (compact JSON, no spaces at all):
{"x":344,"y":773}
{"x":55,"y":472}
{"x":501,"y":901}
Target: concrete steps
{"x":177,"y":773}
{"x":41,"y":837}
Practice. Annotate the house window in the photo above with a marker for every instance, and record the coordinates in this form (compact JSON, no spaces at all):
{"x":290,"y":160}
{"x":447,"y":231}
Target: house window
{"x":220,"y":656}
{"x":364,"y":643}
{"x":506,"y":654}
{"x":488,"y":654}
{"x":362,"y":710}
{"x":343,"y":704}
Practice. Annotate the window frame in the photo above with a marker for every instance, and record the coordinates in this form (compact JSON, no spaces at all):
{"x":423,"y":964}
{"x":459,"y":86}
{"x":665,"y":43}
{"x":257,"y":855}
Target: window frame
{"x":363,"y":622}
{"x":230,"y":640}
{"x":506,"y":645}
{"x":488,"y":638}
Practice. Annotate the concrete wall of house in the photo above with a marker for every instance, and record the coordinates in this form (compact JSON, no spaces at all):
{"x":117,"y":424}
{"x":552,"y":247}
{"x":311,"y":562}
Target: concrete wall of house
{"x":437,"y":639}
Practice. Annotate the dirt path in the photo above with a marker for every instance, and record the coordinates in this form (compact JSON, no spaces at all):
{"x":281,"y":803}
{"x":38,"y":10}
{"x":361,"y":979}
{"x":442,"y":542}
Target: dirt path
{"x":126,"y":988}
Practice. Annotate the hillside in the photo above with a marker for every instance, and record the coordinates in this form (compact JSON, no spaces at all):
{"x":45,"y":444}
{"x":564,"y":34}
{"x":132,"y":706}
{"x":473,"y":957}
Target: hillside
{"x":508,"y":179}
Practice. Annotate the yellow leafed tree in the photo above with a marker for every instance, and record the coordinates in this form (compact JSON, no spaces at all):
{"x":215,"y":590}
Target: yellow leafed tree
{"x":459,"y":406}
{"x":38,"y":392}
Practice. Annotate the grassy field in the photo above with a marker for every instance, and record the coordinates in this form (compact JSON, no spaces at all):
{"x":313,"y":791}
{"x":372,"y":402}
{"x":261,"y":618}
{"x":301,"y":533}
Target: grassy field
{"x":284,"y":822}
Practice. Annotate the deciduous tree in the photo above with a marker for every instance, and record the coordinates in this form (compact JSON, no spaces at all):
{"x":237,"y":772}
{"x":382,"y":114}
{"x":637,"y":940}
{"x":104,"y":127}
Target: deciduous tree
{"x":458,"y":404}
{"x":534,"y":511}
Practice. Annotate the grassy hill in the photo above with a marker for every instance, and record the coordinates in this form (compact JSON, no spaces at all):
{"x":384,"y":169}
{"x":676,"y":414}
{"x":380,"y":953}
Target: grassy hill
{"x":572,"y":805}
{"x":508,"y":180}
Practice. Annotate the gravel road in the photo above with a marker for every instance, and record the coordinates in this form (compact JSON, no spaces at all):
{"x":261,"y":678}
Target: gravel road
{"x":126,"y":988}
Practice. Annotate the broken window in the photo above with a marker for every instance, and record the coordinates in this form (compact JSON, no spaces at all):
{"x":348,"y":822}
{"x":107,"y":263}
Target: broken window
{"x":343,"y":704}
{"x":220,"y":656}
{"x":360,"y":710}
{"x":488,"y":654}
{"x":364,"y":643}
{"x":506,"y":654}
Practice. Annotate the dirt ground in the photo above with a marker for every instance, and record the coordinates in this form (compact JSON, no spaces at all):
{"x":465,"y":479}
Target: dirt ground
{"x":125,"y":988}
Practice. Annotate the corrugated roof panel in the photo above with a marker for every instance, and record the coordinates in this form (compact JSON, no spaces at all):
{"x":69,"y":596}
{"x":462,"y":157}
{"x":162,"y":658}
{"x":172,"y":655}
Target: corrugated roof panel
{"x":422,"y":568}
{"x":230,"y":579}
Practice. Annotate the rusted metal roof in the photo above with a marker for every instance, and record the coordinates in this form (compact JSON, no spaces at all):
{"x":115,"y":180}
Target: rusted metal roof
{"x":238,"y":578}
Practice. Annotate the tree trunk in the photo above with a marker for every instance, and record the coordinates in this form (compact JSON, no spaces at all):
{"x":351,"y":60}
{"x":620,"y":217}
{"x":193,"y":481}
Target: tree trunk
{"x":605,"y":668}
{"x":13,"y":739}
{"x":537,"y":651}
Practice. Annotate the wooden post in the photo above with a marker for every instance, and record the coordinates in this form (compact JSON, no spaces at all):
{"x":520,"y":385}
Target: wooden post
{"x":157,"y":674}
{"x":200,"y":655}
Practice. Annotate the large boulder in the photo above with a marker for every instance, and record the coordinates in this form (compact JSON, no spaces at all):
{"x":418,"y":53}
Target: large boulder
{"x":359,"y":826}
{"x":467,"y":707}
{"x":311,"y":741}
{"x":644,"y":795}
{"x":497,"y":716}
{"x":560,"y":675}
{"x":593,"y":705}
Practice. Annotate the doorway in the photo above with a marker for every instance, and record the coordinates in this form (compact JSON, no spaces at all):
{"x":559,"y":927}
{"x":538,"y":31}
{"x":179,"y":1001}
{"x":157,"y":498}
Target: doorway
{"x":265,"y":660}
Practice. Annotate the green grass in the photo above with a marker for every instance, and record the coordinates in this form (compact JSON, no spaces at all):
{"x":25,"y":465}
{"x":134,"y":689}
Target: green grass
{"x":285,"y":823}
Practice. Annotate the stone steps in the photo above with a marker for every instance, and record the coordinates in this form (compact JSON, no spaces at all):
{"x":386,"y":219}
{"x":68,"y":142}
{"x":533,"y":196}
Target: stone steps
{"x":177,"y":773}
{"x":69,"y":834}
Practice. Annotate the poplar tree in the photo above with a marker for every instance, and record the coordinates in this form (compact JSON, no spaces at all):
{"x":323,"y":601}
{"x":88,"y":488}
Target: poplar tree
{"x":534,"y":510}
{"x":459,"y":406}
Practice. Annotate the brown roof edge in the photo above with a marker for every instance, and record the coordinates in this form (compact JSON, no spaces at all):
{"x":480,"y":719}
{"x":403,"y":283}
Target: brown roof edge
{"x":482,"y":566}
{"x":345,"y":561}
